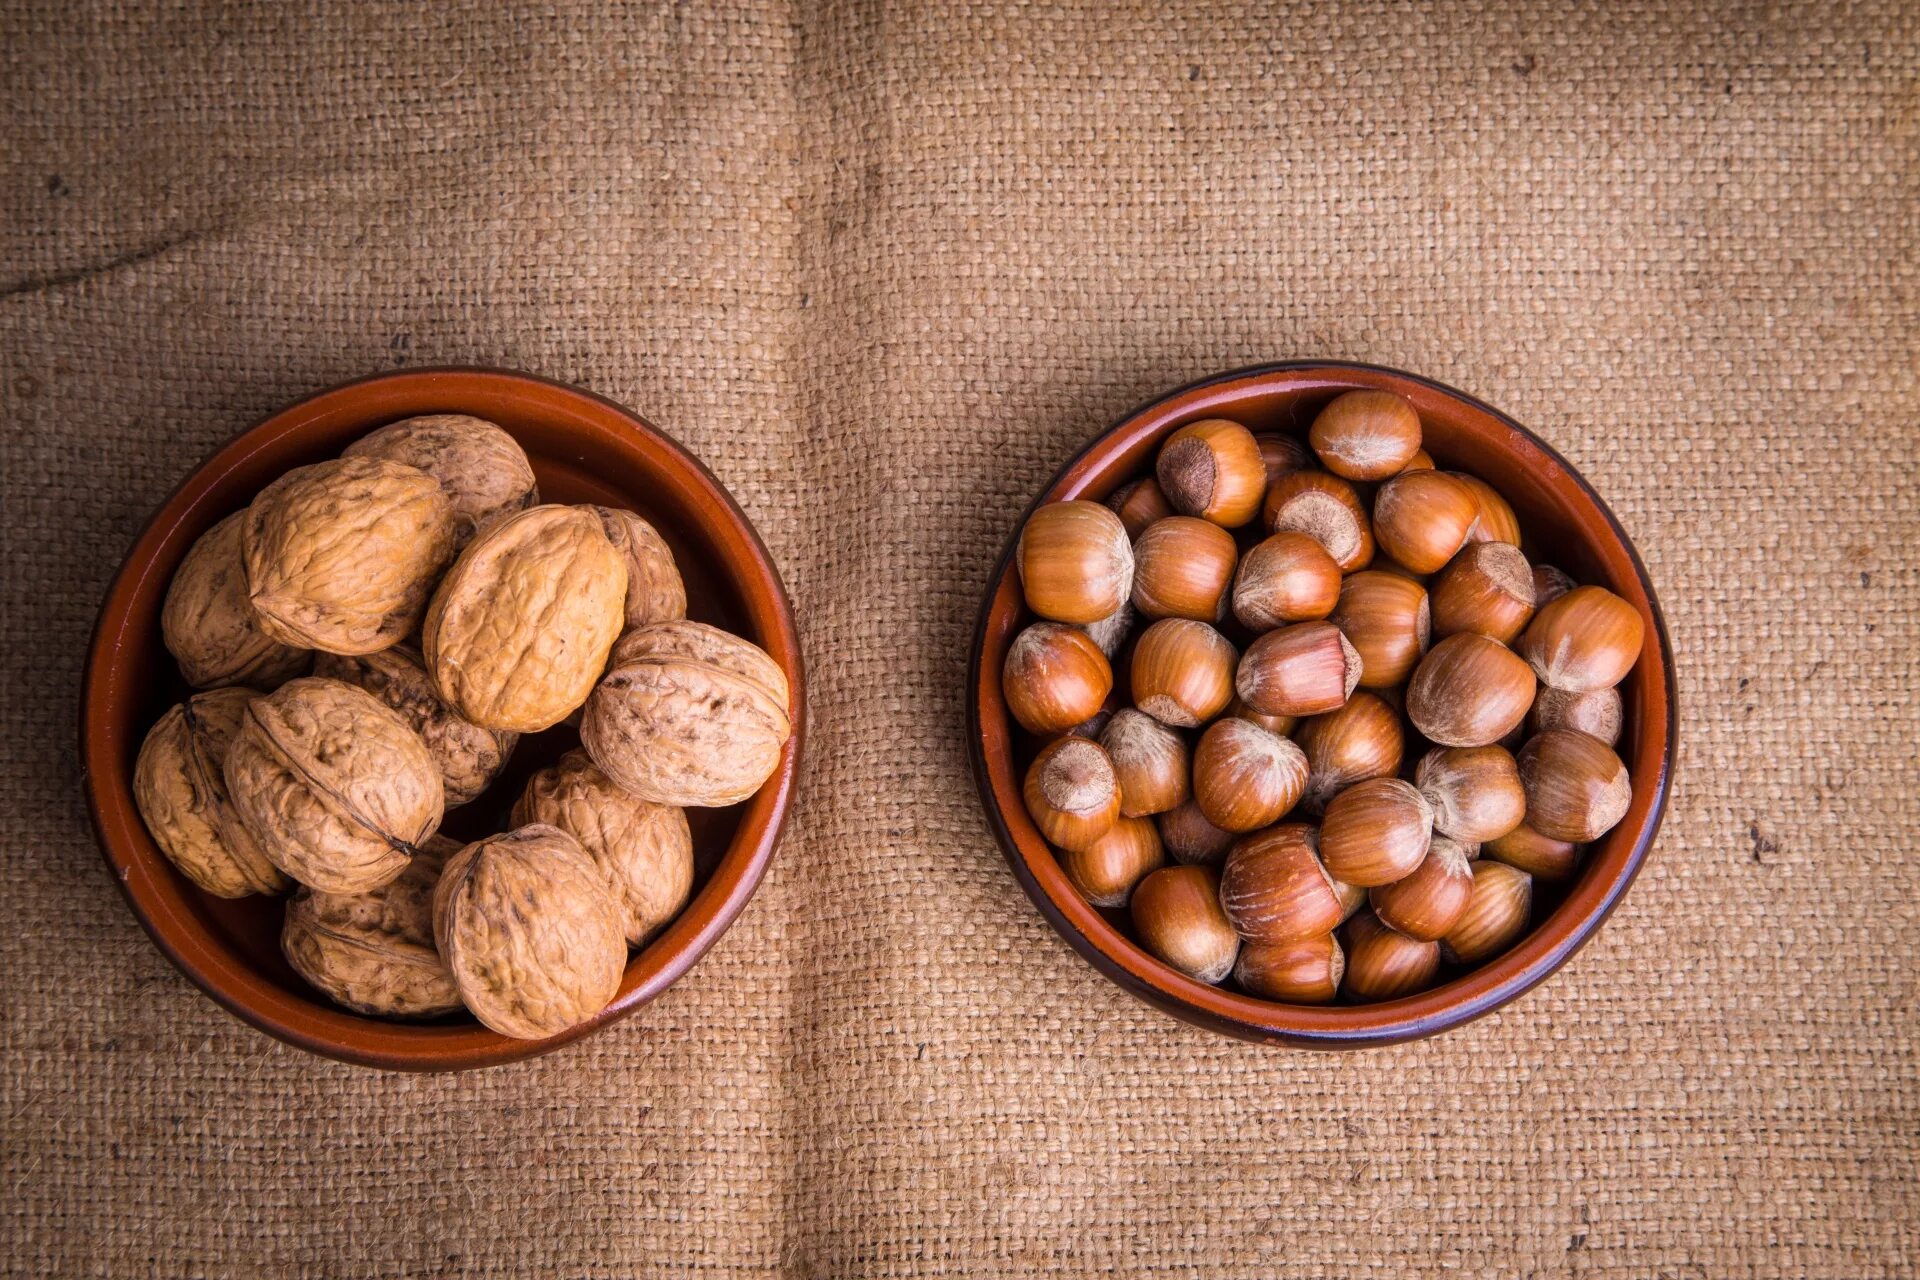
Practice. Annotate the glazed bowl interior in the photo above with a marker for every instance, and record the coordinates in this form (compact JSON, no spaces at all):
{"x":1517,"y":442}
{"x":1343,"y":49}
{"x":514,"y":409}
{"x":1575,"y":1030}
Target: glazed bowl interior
{"x":583,"y":449}
{"x":1565,"y":523}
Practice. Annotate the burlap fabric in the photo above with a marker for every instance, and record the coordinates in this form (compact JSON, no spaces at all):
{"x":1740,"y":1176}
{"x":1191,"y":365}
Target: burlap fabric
{"x":884,"y":268}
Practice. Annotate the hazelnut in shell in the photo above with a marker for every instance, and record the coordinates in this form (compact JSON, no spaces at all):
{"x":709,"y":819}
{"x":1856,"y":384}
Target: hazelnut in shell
{"x":1587,"y":639}
{"x":1275,"y":889}
{"x":1282,"y":455}
{"x":1494,"y":520}
{"x":1300,"y":670}
{"x":1577,"y":789}
{"x":1106,"y":871}
{"x":1599,"y":713}
{"x":1054,"y":678}
{"x":1075,"y":561}
{"x":1383,"y":964}
{"x":1375,"y":832}
{"x":1072,"y":793}
{"x":1213,"y":469}
{"x":1189,"y":838}
{"x":1111,"y":632}
{"x":181,"y":792}
{"x":1139,"y":504}
{"x":374,"y":952}
{"x":210,"y":626}
{"x":1361,"y":740}
{"x":1352,"y":898}
{"x":1385,"y":616}
{"x":1549,"y":584}
{"x":1286,"y":578}
{"x":1182,"y":672}
{"x":1469,"y":691}
{"x":1420,"y":461}
{"x":1183,"y":568}
{"x":1425,"y":903}
{"x":1177,"y":917}
{"x":1326,"y":509}
{"x":1245,"y":777}
{"x":1422,"y":518}
{"x":1496,"y":914}
{"x":1304,"y":972}
{"x":469,"y":757}
{"x":1283,"y":725}
{"x":1475,"y":792}
{"x":1365,"y":435}
{"x":1541,"y":857}
{"x":1150,"y":760}
{"x":483,"y":470}
{"x":1486,"y":589}
{"x":655,"y":591}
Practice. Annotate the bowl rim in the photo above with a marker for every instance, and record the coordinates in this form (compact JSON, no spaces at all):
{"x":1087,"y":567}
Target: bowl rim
{"x":395,"y":1045}
{"x":1454,"y":1003}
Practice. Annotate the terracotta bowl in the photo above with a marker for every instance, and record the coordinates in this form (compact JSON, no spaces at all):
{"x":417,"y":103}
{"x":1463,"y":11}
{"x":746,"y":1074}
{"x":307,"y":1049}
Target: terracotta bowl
{"x":1566,"y":524}
{"x":583,"y":449}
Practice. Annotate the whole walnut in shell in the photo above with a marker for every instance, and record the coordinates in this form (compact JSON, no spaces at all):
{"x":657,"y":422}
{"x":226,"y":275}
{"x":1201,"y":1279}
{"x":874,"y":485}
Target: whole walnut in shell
{"x":530,"y":931}
{"x":182,"y":796}
{"x":688,"y":714}
{"x":655,"y":592}
{"x":469,"y":757}
{"x":646,"y":850}
{"x":373,"y":952}
{"x":521,"y":625}
{"x":342,"y":555}
{"x":209,"y":624}
{"x":333,"y":785}
{"x":483,"y":470}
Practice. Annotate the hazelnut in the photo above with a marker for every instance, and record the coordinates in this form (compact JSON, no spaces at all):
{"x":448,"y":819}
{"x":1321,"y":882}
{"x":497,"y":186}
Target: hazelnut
{"x":1597,"y":712}
{"x":1352,"y":898}
{"x":1182,"y":673}
{"x":181,"y":792}
{"x":1299,"y":670}
{"x":1281,"y":455}
{"x":1385,"y":616}
{"x":1282,"y":725}
{"x":1304,"y":972}
{"x":1577,"y":789}
{"x":1494,"y":520}
{"x":1075,"y":561}
{"x":1111,"y":632}
{"x":1496,"y":914}
{"x":1106,"y":871}
{"x":1326,"y":509}
{"x":1182,"y":568}
{"x":1287,"y":578}
{"x":1275,"y":889}
{"x":1366,"y":435}
{"x":343,"y":555}
{"x":1189,"y":838}
{"x":1420,"y":461}
{"x":374,"y":952}
{"x":1475,"y":791}
{"x":1150,"y":761}
{"x":1139,"y":504}
{"x":210,"y":626}
{"x":469,"y":757}
{"x":1359,"y":741}
{"x":1422,"y":518}
{"x":1385,"y":965}
{"x":483,"y":470}
{"x":1486,"y":589}
{"x":1177,"y":917}
{"x":655,"y":592}
{"x":1549,"y":584}
{"x":1587,"y":639}
{"x":1425,"y":903}
{"x":1054,"y":678}
{"x":1539,"y":856}
{"x":1245,"y":777}
{"x":1213,"y":469}
{"x":1375,"y":832}
{"x":1469,"y":691}
{"x":1072,"y":793}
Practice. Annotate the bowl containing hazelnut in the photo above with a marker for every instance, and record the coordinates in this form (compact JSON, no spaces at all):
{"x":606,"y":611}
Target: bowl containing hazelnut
{"x":442,"y":718}
{"x":1322,"y":704}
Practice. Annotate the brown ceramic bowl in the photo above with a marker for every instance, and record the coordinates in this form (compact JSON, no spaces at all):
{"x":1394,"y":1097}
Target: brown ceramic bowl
{"x":583,"y":449}
{"x":1566,"y":524}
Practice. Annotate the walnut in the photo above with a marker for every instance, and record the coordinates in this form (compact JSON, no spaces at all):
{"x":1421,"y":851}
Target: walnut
{"x":469,"y":757}
{"x":210,"y":626}
{"x":333,"y":785}
{"x":483,"y":470}
{"x":655,"y":592}
{"x":646,"y":850}
{"x":373,"y":952}
{"x":520,"y":627}
{"x":342,"y":555}
{"x":182,"y":796}
{"x":688,"y":714}
{"x":530,"y":931}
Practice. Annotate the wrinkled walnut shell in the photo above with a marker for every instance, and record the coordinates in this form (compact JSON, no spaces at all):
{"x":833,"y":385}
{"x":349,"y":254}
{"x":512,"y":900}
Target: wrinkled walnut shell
{"x":655,"y":592}
{"x":342,"y":555}
{"x":530,"y":932}
{"x":688,"y":715}
{"x":333,"y":785}
{"x":483,"y":470}
{"x":646,"y":850}
{"x":182,"y":797}
{"x":373,"y":952}
{"x":520,"y":627}
{"x":470,"y":757}
{"x":210,"y":626}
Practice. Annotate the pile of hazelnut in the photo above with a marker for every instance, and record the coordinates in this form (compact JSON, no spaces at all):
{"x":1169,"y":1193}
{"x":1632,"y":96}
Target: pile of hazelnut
{"x":1361,"y":730}
{"x":442,"y":613}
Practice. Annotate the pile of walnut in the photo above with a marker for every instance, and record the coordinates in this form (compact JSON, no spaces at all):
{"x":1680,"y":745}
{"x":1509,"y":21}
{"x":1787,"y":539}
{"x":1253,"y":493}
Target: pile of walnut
{"x":1372,"y":595}
{"x":443,"y":613}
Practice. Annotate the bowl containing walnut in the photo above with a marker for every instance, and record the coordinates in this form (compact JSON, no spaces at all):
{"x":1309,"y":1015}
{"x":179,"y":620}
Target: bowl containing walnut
{"x":313,"y":969}
{"x":1386,"y":986}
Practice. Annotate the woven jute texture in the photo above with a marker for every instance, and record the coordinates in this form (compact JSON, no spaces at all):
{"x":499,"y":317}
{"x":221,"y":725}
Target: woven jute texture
{"x":885,"y":268}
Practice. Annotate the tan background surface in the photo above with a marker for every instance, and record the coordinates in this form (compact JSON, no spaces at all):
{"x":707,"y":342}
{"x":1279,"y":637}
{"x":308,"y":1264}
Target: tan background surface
{"x":885,"y":271}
